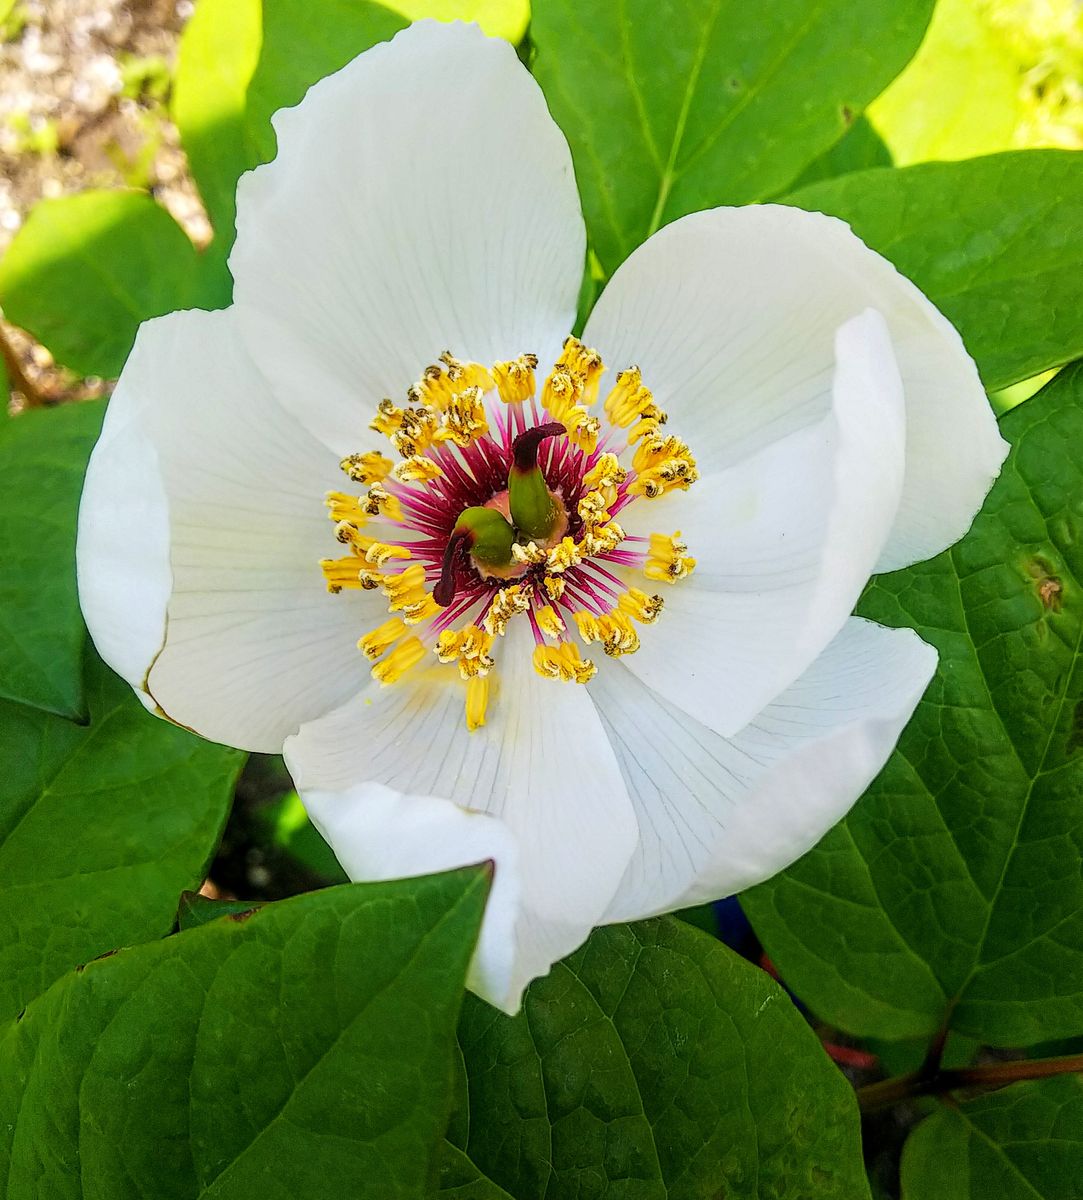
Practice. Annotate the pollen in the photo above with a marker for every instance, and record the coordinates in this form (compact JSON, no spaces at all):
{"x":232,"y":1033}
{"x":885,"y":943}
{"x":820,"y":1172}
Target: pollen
{"x":477,"y":701}
{"x":613,"y":630}
{"x":341,"y":507}
{"x":531,"y":554}
{"x":507,"y":603}
{"x":563,"y":555}
{"x":563,"y":662}
{"x":407,"y":587}
{"x":638,"y":604}
{"x":515,"y":379}
{"x":469,"y":648}
{"x":341,"y":572}
{"x":416,"y":468}
{"x":549,"y":621}
{"x":464,"y":418}
{"x":380,"y":503}
{"x":406,"y":655}
{"x":667,"y":560}
{"x":606,"y":475}
{"x":367,"y":468}
{"x":376,"y":643}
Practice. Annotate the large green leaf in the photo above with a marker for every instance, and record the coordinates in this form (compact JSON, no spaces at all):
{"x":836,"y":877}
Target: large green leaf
{"x":102,"y":827}
{"x":994,"y":242}
{"x":677,"y":106}
{"x":959,"y":97}
{"x":654,"y":1064}
{"x":303,"y":1052}
{"x":43,"y":455}
{"x":85,"y":270}
{"x":242,"y":60}
{"x":952,"y":893}
{"x":1023,"y":1143}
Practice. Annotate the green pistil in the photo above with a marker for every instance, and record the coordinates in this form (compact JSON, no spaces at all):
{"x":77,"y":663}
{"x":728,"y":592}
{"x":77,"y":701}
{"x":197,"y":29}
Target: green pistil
{"x":533,"y":509}
{"x":485,"y":536}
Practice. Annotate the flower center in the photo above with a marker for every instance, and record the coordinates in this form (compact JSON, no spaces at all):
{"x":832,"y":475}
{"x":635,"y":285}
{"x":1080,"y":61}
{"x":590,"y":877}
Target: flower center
{"x":503,"y":506}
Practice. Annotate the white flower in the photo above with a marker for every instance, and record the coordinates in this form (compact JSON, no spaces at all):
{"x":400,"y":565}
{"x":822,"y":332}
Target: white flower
{"x":614,"y":760}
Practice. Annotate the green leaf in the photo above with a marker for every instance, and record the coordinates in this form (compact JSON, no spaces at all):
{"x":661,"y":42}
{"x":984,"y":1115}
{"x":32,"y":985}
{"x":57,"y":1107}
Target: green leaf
{"x":43,"y":455}
{"x":461,"y":1180}
{"x":239,"y":63}
{"x":655,"y":1063}
{"x":958,"y":98}
{"x":1022,"y":1143}
{"x":861,"y":149}
{"x":299,"y":1055}
{"x":952,"y":892}
{"x":670,"y":108}
{"x":993,"y":242}
{"x":195,"y":910}
{"x":506,"y":19}
{"x":101,"y":828}
{"x":285,"y":824}
{"x":85,"y":270}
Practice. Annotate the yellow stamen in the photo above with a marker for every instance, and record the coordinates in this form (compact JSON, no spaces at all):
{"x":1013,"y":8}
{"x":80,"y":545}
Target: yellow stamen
{"x":401,"y":659}
{"x":667,"y":560}
{"x":593,"y":508}
{"x":531,"y":553}
{"x":603,"y":540}
{"x":419,"y":611}
{"x":583,"y":429}
{"x":563,"y":555}
{"x":507,"y":603}
{"x":407,"y":587}
{"x":345,"y":508}
{"x":554,"y":586}
{"x":515,"y":379}
{"x":416,"y":469}
{"x":629,"y":401}
{"x":380,"y":502}
{"x":417,"y":432}
{"x":562,"y":392}
{"x":549,"y":621}
{"x":342,"y":573}
{"x":367,"y":468}
{"x":381,"y":553}
{"x":477,"y":700}
{"x":469,"y":647}
{"x":382,"y":638}
{"x":563,"y":662}
{"x":388,"y":418}
{"x":581,"y":360}
{"x":606,"y":473}
{"x":464,"y":419}
{"x":638,"y":604}
{"x":614,"y":630}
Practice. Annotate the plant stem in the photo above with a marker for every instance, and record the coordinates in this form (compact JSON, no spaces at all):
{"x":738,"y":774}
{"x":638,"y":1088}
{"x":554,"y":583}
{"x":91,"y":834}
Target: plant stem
{"x":18,"y":379}
{"x":994,"y":1075}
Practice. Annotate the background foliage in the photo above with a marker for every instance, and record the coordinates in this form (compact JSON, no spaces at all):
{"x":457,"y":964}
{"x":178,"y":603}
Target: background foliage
{"x":321,"y":1045}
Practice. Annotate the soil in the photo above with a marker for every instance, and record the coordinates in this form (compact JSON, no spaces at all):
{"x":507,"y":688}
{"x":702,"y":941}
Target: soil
{"x":84,"y":92}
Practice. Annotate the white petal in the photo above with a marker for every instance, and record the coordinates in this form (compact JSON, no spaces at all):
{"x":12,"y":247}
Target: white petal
{"x":716,"y":815}
{"x":422,"y":200}
{"x":784,"y":542}
{"x":541,"y":769}
{"x":731,"y":315}
{"x":122,"y":552}
{"x":201,"y":479}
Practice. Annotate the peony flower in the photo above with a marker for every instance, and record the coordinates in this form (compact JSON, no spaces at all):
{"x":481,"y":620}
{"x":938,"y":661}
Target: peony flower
{"x":578,"y":606}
